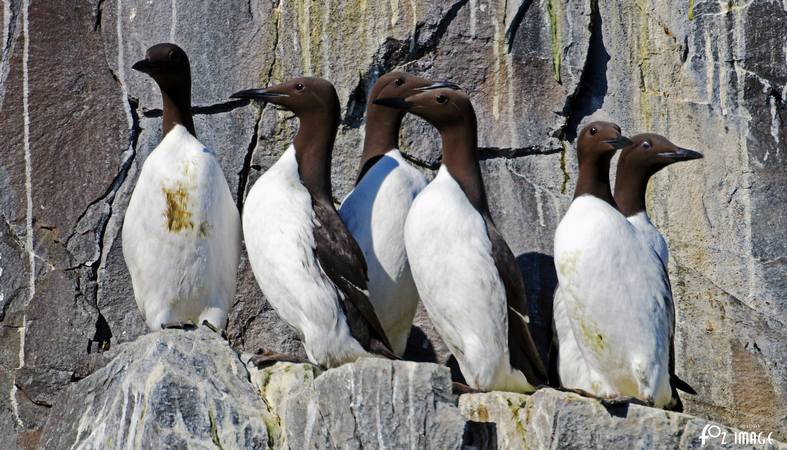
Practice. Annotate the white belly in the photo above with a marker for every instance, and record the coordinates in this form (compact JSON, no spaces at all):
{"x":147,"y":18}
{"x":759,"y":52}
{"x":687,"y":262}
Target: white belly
{"x":611,"y":290}
{"x":181,"y":235}
{"x":278,"y":222}
{"x":451,"y":260}
{"x":375,"y":213}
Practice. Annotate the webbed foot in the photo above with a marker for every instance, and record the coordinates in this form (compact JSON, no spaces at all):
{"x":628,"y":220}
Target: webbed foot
{"x":178,"y":326}
{"x":263,"y":358}
{"x":612,"y":402}
{"x":460,"y":388}
{"x":214,"y":329}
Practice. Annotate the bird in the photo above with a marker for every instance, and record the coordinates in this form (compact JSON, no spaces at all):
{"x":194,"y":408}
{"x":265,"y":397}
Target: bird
{"x":465,"y":273}
{"x":636,"y":164}
{"x":612,"y":316}
{"x":181,"y":231}
{"x":648,"y":154}
{"x":304,"y":259}
{"x":375,"y":210}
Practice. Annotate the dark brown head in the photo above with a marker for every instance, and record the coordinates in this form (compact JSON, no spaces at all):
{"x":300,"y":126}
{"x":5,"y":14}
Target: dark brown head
{"x":383,"y":124}
{"x":403,"y":84}
{"x":452,"y":113}
{"x":650,"y":153}
{"x":169,"y":66}
{"x":315,"y":103}
{"x":307,"y":97}
{"x":647,"y":154}
{"x":600,"y":139}
{"x":444,"y":108}
{"x":596,"y":145}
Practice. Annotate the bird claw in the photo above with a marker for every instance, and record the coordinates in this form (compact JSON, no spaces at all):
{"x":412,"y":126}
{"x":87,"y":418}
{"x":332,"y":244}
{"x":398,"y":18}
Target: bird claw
{"x":178,"y":326}
{"x":263,"y":358}
{"x":214,"y":329}
{"x":612,"y":402}
{"x":460,"y":388}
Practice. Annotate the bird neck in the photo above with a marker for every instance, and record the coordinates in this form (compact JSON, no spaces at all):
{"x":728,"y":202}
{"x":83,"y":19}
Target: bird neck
{"x":630,"y":188}
{"x":382,"y":135}
{"x":177,"y":110}
{"x":313,"y":149}
{"x":460,"y":158}
{"x":594,"y":178}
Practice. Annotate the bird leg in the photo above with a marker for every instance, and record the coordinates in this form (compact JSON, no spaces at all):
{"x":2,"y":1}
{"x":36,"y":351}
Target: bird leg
{"x":266,"y":358}
{"x":178,"y":326}
{"x":211,"y":327}
{"x":610,"y":401}
{"x":461,"y":388}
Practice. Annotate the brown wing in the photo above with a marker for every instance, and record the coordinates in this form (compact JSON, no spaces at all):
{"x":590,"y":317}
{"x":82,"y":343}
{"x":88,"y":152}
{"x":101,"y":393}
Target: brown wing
{"x":342,"y":260}
{"x":522,"y":348}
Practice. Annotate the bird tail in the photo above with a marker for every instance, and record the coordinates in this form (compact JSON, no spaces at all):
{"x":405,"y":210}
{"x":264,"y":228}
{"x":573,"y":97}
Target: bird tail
{"x":677,"y":383}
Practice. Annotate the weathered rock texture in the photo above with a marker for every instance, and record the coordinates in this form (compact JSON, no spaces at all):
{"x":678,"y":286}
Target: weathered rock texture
{"x":171,"y":389}
{"x":76,"y":124}
{"x":550,"y":419}
{"x":375,"y":403}
{"x":189,"y":389}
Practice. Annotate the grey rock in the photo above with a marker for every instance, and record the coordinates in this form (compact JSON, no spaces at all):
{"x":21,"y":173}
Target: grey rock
{"x":184,"y":389}
{"x":550,"y":419}
{"x":709,"y":75}
{"x":375,"y":403}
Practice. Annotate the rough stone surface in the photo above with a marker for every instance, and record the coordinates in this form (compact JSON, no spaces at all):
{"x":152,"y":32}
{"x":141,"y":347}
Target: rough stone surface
{"x":550,"y":419}
{"x":173,"y":389}
{"x":189,"y":389}
{"x":77,"y":123}
{"x":375,"y":403}
{"x":275,"y":385}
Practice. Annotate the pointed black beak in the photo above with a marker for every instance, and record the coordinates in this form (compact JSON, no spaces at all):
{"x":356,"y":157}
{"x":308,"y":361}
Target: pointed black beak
{"x":258,"y":94}
{"x":682,"y":154}
{"x":438,"y":85}
{"x":144,"y":66}
{"x":393,"y":102}
{"x":619,"y":142}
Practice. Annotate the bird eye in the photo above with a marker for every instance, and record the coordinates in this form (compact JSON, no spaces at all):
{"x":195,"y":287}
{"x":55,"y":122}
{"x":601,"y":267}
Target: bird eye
{"x":593,"y":131}
{"x":398,"y":82}
{"x":441,"y":99}
{"x":646,"y":145}
{"x":299,"y":86}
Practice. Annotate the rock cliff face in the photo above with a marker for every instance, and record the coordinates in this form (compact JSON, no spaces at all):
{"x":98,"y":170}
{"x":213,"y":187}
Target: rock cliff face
{"x":191,"y":390}
{"x":76,"y":124}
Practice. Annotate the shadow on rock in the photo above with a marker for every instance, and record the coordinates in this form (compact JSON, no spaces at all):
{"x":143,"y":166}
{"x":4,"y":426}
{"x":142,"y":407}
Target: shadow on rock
{"x":538,"y":270}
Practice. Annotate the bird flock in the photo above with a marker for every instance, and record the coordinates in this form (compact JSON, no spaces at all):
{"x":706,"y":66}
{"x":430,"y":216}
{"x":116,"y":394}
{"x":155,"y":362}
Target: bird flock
{"x":348,"y":280}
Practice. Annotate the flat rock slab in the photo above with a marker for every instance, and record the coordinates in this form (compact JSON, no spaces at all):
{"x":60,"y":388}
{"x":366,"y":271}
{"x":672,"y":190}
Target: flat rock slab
{"x":551,"y":419}
{"x":171,"y":389}
{"x":375,"y":403}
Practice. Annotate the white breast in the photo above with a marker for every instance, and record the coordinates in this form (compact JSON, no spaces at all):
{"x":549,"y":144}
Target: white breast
{"x":651,"y":235}
{"x":612,"y":289}
{"x":375,"y":213}
{"x":451,"y":260}
{"x":181,"y":235}
{"x":278,"y":223}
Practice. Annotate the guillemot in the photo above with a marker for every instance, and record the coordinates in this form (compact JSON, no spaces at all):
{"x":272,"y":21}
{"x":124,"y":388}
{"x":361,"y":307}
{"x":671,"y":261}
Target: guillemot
{"x":466,"y":275}
{"x":648,"y":154}
{"x":636,"y":164}
{"x":611,"y":311}
{"x":375,"y":211}
{"x":305,"y":260}
{"x":181,"y":232}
